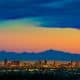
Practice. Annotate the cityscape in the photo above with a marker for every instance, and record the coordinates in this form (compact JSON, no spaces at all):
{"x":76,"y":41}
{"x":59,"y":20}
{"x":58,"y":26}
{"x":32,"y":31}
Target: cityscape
{"x":39,"y":39}
{"x":39,"y":70}
{"x":38,"y":65}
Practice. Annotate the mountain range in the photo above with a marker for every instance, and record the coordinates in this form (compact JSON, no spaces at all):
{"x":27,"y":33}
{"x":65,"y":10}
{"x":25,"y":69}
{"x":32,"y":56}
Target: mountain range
{"x":45,"y":55}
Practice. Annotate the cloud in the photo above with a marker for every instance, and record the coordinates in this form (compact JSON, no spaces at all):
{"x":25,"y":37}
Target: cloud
{"x":60,"y":3}
{"x":49,"y":13}
{"x":60,"y":22}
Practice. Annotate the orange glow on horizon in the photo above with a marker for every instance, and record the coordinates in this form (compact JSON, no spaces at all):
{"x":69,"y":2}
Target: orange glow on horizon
{"x":35,"y":39}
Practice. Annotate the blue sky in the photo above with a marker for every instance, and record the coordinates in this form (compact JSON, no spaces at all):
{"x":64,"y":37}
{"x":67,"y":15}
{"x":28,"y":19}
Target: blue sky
{"x":48,"y":13}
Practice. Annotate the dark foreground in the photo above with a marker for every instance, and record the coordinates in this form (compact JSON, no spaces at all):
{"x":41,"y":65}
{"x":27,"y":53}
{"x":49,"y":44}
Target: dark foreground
{"x":40,"y":75}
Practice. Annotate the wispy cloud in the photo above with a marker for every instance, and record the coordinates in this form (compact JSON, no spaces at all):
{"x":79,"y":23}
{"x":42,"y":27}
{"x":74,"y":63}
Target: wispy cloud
{"x":49,"y":13}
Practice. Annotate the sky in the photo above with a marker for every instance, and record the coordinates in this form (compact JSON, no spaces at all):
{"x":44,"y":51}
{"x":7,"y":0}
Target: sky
{"x":38,"y":25}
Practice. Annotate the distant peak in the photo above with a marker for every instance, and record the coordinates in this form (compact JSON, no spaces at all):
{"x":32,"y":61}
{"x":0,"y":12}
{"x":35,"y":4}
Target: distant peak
{"x":50,"y":50}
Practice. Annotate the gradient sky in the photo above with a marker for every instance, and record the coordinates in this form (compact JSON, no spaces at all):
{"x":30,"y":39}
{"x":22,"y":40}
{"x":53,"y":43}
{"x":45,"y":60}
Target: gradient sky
{"x":31,"y":25}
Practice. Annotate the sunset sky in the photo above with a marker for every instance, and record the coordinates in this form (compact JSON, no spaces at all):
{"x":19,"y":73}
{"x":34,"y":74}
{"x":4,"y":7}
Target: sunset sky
{"x":34,"y":26}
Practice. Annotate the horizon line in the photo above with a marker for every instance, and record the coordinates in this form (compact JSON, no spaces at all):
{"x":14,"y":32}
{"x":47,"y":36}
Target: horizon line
{"x":36,"y":52}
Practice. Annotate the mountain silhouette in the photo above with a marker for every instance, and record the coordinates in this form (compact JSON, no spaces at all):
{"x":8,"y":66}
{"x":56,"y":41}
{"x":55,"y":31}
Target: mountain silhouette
{"x":45,"y":55}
